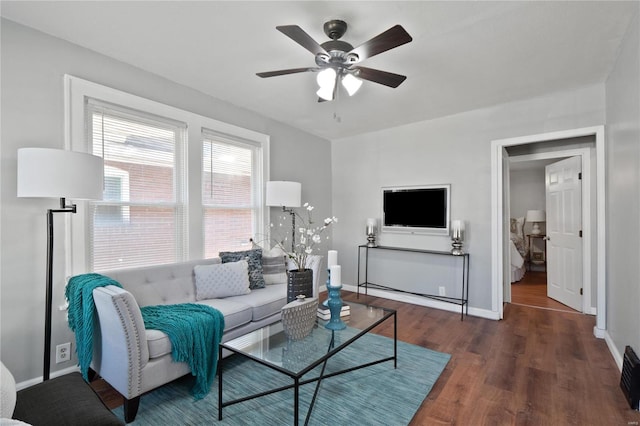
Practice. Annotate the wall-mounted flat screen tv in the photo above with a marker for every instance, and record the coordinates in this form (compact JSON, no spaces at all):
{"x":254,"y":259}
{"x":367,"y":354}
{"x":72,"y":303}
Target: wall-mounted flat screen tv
{"x":416,"y":209}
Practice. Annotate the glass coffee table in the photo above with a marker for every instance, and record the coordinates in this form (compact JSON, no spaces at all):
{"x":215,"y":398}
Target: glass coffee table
{"x":298,"y":358}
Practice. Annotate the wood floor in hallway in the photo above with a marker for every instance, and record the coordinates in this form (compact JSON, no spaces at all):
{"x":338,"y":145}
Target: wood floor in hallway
{"x":531,"y":290}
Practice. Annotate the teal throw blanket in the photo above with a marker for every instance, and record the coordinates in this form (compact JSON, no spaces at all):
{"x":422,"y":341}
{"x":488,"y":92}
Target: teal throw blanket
{"x":195,"y":332}
{"x":79,"y":294}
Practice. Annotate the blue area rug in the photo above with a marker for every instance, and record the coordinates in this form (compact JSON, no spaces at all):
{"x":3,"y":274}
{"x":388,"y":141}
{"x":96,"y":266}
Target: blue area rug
{"x":376,"y":395}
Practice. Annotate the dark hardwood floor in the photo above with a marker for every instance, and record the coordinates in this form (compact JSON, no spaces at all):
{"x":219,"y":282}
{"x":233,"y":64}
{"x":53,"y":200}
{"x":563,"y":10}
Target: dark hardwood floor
{"x":535,"y":367}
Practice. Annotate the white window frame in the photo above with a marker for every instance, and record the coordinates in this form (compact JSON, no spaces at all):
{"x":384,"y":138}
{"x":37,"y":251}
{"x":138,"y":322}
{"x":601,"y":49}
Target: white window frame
{"x":77,"y":91}
{"x":257,"y":181}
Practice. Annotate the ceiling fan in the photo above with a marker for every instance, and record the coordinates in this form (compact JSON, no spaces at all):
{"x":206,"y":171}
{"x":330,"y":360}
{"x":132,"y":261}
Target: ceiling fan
{"x":337,"y":60}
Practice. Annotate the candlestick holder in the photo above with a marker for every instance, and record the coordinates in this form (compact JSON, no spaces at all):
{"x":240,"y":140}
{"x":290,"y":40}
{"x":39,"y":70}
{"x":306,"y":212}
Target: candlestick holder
{"x":371,"y":240}
{"x":457,"y":247}
{"x":371,"y":233}
{"x":335,"y":306}
{"x":328,"y":284}
{"x":457,"y":236}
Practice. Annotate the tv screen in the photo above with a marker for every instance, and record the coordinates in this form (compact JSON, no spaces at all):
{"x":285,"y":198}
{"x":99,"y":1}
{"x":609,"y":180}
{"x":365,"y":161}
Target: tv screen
{"x":422,"y":209}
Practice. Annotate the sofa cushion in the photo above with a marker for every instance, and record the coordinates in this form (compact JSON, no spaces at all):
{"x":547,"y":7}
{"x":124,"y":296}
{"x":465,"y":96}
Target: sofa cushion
{"x":223,"y":280}
{"x":254,"y":258}
{"x":235,"y":315}
{"x":264,"y":302}
{"x":158,"y":343}
{"x":274,"y":266}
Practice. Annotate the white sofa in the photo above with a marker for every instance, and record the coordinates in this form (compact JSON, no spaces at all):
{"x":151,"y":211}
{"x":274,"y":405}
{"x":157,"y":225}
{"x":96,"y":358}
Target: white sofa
{"x":134,"y":360}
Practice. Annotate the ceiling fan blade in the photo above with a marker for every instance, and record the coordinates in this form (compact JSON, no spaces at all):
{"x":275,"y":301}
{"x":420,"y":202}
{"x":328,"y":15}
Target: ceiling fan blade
{"x":381,"y":77}
{"x":285,"y":72}
{"x":298,"y":35}
{"x":393,"y":37}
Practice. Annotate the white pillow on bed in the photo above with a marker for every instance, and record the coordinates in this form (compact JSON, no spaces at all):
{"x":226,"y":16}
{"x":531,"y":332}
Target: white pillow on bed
{"x":222,"y":280}
{"x":516,"y":226}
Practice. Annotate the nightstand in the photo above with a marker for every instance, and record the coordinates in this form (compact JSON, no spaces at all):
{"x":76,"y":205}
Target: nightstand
{"x":537,"y":257}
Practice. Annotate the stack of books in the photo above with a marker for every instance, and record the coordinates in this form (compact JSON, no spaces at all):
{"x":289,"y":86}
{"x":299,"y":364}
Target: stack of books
{"x":325,"y":314}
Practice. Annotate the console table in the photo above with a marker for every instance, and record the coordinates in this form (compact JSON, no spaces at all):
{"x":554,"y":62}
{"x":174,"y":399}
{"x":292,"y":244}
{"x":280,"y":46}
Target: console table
{"x":462,"y":301}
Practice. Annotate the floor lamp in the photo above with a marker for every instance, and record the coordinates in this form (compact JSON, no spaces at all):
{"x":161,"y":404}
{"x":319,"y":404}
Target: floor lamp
{"x":54,"y":173}
{"x":285,"y":194}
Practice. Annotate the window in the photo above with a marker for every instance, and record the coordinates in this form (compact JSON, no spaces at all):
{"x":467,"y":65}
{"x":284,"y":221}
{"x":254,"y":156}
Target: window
{"x":116,"y":189}
{"x":173,"y":191}
{"x":140,"y":220}
{"x":230,"y":205}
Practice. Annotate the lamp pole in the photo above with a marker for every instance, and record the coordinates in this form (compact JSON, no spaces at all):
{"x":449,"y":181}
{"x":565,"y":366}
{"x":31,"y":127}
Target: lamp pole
{"x":293,"y":227}
{"x":49,"y":295}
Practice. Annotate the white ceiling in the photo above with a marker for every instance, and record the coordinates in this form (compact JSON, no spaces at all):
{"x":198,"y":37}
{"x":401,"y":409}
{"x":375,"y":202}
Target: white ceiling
{"x":464,"y":55}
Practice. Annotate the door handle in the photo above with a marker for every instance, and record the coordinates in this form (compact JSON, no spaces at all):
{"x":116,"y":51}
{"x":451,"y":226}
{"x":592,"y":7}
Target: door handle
{"x":546,"y":238}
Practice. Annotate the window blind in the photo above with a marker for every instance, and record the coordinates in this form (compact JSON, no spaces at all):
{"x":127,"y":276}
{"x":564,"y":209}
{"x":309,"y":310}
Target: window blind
{"x":229,"y":192}
{"x":142,"y":217}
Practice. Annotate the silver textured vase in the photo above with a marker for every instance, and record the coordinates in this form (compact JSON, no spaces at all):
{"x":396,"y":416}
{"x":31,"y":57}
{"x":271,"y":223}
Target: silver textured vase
{"x":299,"y":317}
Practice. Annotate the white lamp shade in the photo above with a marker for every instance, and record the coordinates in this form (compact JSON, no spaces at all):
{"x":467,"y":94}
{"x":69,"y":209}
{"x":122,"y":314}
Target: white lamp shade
{"x":283,"y":193}
{"x":536,"y":216}
{"x":55,"y":173}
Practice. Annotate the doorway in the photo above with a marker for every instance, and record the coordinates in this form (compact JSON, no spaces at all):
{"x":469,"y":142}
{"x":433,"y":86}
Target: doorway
{"x":594,"y":238}
{"x":548,"y":185}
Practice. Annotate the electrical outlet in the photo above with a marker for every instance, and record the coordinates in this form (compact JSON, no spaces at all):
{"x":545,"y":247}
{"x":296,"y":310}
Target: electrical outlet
{"x":442,"y":291}
{"x":63,"y":352}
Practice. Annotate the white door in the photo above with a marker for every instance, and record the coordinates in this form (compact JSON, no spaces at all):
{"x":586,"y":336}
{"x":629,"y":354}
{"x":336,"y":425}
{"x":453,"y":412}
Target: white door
{"x":564,"y":229}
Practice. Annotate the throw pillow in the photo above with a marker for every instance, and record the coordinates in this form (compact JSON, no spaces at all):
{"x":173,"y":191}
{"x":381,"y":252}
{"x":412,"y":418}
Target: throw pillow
{"x":222,"y":280}
{"x":274,"y":266}
{"x":254,"y":258}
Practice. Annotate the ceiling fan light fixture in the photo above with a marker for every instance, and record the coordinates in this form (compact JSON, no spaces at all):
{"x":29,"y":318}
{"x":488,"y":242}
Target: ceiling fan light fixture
{"x":351,"y":84}
{"x":325,"y":93}
{"x":336,"y":59}
{"x":327,"y":81}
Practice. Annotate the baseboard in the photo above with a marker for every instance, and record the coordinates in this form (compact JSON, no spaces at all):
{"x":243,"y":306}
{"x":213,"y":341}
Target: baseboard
{"x":424,"y":301}
{"x":617,"y":356}
{"x":52,"y":375}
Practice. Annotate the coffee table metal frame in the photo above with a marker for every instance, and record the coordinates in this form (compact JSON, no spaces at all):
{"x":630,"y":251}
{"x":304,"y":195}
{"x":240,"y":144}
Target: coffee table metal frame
{"x":297,"y":377}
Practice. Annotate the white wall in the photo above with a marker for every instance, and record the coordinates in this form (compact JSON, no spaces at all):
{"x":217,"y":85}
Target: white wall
{"x":527,"y":192}
{"x":33,"y":65}
{"x":623,"y":190}
{"x":455,"y":150}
